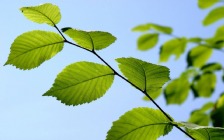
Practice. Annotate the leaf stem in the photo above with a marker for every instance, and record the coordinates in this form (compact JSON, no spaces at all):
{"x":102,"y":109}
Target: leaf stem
{"x":116,"y":73}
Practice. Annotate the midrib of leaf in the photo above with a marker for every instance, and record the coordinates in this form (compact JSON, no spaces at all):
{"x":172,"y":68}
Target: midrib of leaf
{"x":82,"y":82}
{"x":91,"y":41}
{"x":148,"y":125}
{"x":42,"y":14}
{"x":208,"y":134}
{"x":37,"y":48}
{"x":144,"y":76}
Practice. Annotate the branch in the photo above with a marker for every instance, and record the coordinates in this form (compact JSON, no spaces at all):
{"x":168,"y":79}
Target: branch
{"x":116,"y":73}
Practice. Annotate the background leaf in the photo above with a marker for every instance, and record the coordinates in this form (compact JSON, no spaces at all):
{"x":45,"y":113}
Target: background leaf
{"x":198,"y":56}
{"x":45,"y":13}
{"x":148,"y":77}
{"x":217,"y":114}
{"x":32,"y":48}
{"x":211,"y":67}
{"x":81,"y":82}
{"x":93,"y":40}
{"x":174,"y":46}
{"x":206,"y":3}
{"x":140,"y":124}
{"x":156,"y":27}
{"x":214,"y":15}
{"x":147,"y":41}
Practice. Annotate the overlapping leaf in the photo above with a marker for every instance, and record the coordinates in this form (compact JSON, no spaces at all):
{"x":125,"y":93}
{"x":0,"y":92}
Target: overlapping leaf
{"x":81,"y":82}
{"x":204,"y":85}
{"x":198,"y":56}
{"x":146,"y":76}
{"x":45,"y":13}
{"x":217,"y":114}
{"x":214,"y":15}
{"x":140,"y":124}
{"x":156,"y":27}
{"x":174,"y":46}
{"x":217,"y":41}
{"x":92,"y":40}
{"x":203,"y":132}
{"x":147,"y":41}
{"x":32,"y":48}
{"x":206,"y":3}
{"x":211,"y":67}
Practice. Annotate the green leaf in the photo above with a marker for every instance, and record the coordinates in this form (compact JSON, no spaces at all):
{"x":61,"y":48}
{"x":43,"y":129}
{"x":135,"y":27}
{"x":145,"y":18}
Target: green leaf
{"x":206,"y":3}
{"x":45,"y":13}
{"x":154,"y":95}
{"x":31,"y":49}
{"x":146,"y":76}
{"x":211,"y":67}
{"x":199,"y":118}
{"x":93,"y":40}
{"x":174,"y":46}
{"x":156,"y":27}
{"x":140,"y":124}
{"x":198,"y":56}
{"x":189,"y":73}
{"x":217,"y":41}
{"x":217,"y":114}
{"x":81,"y":82}
{"x":195,"y":40}
{"x":214,"y":15}
{"x":176,"y":91}
{"x":207,"y":106}
{"x":147,"y":41}
{"x":203,"y":132}
{"x":204,"y":85}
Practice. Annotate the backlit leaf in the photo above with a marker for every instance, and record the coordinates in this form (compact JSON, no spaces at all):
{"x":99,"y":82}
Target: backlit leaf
{"x":198,"y":56}
{"x":203,"y":132}
{"x":217,"y":41}
{"x":147,"y":41}
{"x":156,"y":27}
{"x":204,"y":85}
{"x":174,"y":47}
{"x":140,"y":124}
{"x":214,"y":15}
{"x":177,"y":91}
{"x":217,"y":114}
{"x":92,"y":40}
{"x":206,"y":3}
{"x":146,"y":76}
{"x":45,"y":13}
{"x":154,"y":95}
{"x":32,"y":48}
{"x":211,"y":67}
{"x":195,"y":40}
{"x":81,"y":82}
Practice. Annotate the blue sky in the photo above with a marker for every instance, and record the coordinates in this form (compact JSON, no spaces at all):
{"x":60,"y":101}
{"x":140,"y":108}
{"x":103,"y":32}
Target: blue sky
{"x":27,"y":115}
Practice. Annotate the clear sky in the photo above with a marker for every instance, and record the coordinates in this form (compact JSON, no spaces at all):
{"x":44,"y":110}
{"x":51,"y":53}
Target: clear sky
{"x":26,"y":115}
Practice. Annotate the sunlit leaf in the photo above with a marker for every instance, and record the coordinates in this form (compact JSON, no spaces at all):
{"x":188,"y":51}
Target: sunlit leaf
{"x":140,"y":124}
{"x":203,"y":132}
{"x":177,"y":91}
{"x":147,"y":41}
{"x":217,"y":114}
{"x":31,"y":49}
{"x":214,"y":15}
{"x":198,"y":56}
{"x":206,"y":3}
{"x":92,"y":40}
{"x":217,"y":41}
{"x":81,"y":82}
{"x":154,"y":95}
{"x":174,"y":47}
{"x":156,"y":27}
{"x":146,"y":76}
{"x":204,"y":85}
{"x":189,"y":73}
{"x":45,"y":13}
{"x":195,"y":40}
{"x":211,"y":67}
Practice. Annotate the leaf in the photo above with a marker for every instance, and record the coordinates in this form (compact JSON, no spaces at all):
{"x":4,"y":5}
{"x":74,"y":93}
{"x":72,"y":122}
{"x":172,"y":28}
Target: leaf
{"x":217,"y":41}
{"x":153,"y":95}
{"x":174,"y":46}
{"x":147,"y":41}
{"x":206,"y":3}
{"x":45,"y":13}
{"x":198,"y":56}
{"x":156,"y":27}
{"x":31,"y":49}
{"x":203,"y":132}
{"x":204,"y":85}
{"x":217,"y":113}
{"x":195,"y":40}
{"x":214,"y":15}
{"x":177,"y":91}
{"x":146,"y":76}
{"x":140,"y":124}
{"x":211,"y":67}
{"x":189,"y":73}
{"x":93,"y":40}
{"x":207,"y":106}
{"x":81,"y":82}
